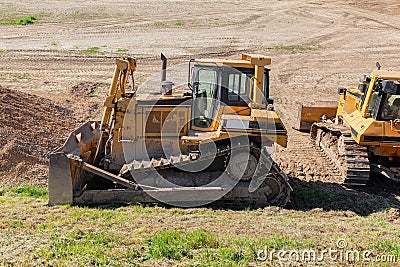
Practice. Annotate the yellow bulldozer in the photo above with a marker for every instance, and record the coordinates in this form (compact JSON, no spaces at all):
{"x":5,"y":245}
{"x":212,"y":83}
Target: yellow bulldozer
{"x":360,"y":133}
{"x":212,"y":141}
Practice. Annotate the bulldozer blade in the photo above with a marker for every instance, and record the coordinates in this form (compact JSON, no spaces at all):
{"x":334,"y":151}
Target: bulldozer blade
{"x":308,"y":114}
{"x":66,"y":178}
{"x":60,"y":180}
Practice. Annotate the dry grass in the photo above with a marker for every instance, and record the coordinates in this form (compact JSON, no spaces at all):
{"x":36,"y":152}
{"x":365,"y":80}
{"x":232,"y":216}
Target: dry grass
{"x":34,"y":234}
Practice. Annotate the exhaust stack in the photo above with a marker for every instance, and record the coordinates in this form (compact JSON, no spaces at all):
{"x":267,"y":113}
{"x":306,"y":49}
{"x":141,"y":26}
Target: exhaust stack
{"x":166,"y":86}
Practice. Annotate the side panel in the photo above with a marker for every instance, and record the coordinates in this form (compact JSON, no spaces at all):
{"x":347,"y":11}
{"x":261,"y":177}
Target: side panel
{"x":352,"y":102}
{"x":149,"y":132}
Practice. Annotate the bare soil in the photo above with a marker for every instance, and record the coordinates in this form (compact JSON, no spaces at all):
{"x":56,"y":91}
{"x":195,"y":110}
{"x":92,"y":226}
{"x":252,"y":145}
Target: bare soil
{"x":30,"y":130}
{"x":55,"y":73}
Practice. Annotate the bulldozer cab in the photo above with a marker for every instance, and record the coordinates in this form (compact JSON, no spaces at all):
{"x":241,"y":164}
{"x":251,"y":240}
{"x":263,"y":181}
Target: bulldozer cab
{"x":384,"y":100}
{"x":214,"y":86}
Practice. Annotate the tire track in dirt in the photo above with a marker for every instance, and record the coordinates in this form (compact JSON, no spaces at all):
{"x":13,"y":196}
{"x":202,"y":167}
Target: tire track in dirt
{"x":340,"y":21}
{"x":302,"y":160}
{"x":51,"y":67}
{"x":123,"y":25}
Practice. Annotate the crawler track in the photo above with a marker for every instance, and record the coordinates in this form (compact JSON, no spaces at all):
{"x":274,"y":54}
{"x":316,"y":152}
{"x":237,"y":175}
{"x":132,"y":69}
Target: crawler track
{"x":269,"y":185}
{"x":350,"y":159}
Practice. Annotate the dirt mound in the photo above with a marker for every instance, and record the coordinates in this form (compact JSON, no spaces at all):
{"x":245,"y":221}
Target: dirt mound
{"x":30,"y":128}
{"x":88,"y":89}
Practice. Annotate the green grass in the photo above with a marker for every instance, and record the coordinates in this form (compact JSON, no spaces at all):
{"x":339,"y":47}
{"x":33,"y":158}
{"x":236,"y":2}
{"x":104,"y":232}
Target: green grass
{"x":161,"y":24}
{"x":158,"y":24}
{"x":93,"y":95}
{"x":206,"y":247}
{"x":294,"y":48}
{"x":389,"y":247}
{"x":90,"y":51}
{"x":12,"y":19}
{"x":174,"y":245}
{"x":96,"y":248}
{"x":25,"y":191}
{"x":3,"y":51}
{"x":26,"y":20}
{"x":149,"y":235}
{"x":122,"y":50}
{"x":76,"y":244}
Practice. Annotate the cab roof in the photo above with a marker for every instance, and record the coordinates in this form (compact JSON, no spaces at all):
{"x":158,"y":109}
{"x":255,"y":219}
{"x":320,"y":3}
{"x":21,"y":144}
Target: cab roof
{"x":224,"y":62}
{"x":386,"y":74}
{"x":247,"y":61}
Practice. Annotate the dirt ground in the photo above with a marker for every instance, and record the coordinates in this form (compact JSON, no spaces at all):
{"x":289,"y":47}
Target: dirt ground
{"x":55,"y":73}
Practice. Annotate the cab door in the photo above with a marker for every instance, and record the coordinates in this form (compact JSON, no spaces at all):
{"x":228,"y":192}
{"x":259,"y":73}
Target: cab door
{"x":206,"y":95}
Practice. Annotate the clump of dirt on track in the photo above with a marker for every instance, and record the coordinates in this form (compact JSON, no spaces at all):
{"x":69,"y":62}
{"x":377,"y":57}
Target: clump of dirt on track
{"x":30,"y":128}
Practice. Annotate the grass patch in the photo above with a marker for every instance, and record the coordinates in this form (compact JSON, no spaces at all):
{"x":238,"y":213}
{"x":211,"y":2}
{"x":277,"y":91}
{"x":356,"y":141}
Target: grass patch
{"x":3,"y":51}
{"x":13,"y":19}
{"x":161,"y":24}
{"x":26,"y":191}
{"x":122,"y":50}
{"x":158,"y":24}
{"x":26,"y":20}
{"x":174,"y":245}
{"x":93,"y":95}
{"x":88,"y":248}
{"x":294,"y":48}
{"x":389,"y":247}
{"x":203,"y":246}
{"x":90,"y":51}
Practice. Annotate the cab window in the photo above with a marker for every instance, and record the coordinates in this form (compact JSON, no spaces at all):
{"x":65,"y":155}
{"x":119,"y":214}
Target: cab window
{"x":238,"y":87}
{"x":391,"y":107}
{"x":372,"y":102}
{"x":206,"y":89}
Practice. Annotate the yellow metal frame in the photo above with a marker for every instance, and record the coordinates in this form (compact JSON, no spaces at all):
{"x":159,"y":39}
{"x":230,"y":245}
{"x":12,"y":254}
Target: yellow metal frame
{"x":363,"y":126}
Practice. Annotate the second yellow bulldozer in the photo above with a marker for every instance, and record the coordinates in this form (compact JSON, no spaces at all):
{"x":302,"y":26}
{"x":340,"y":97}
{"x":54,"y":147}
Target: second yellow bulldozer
{"x":360,"y":133}
{"x":212,"y":141}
